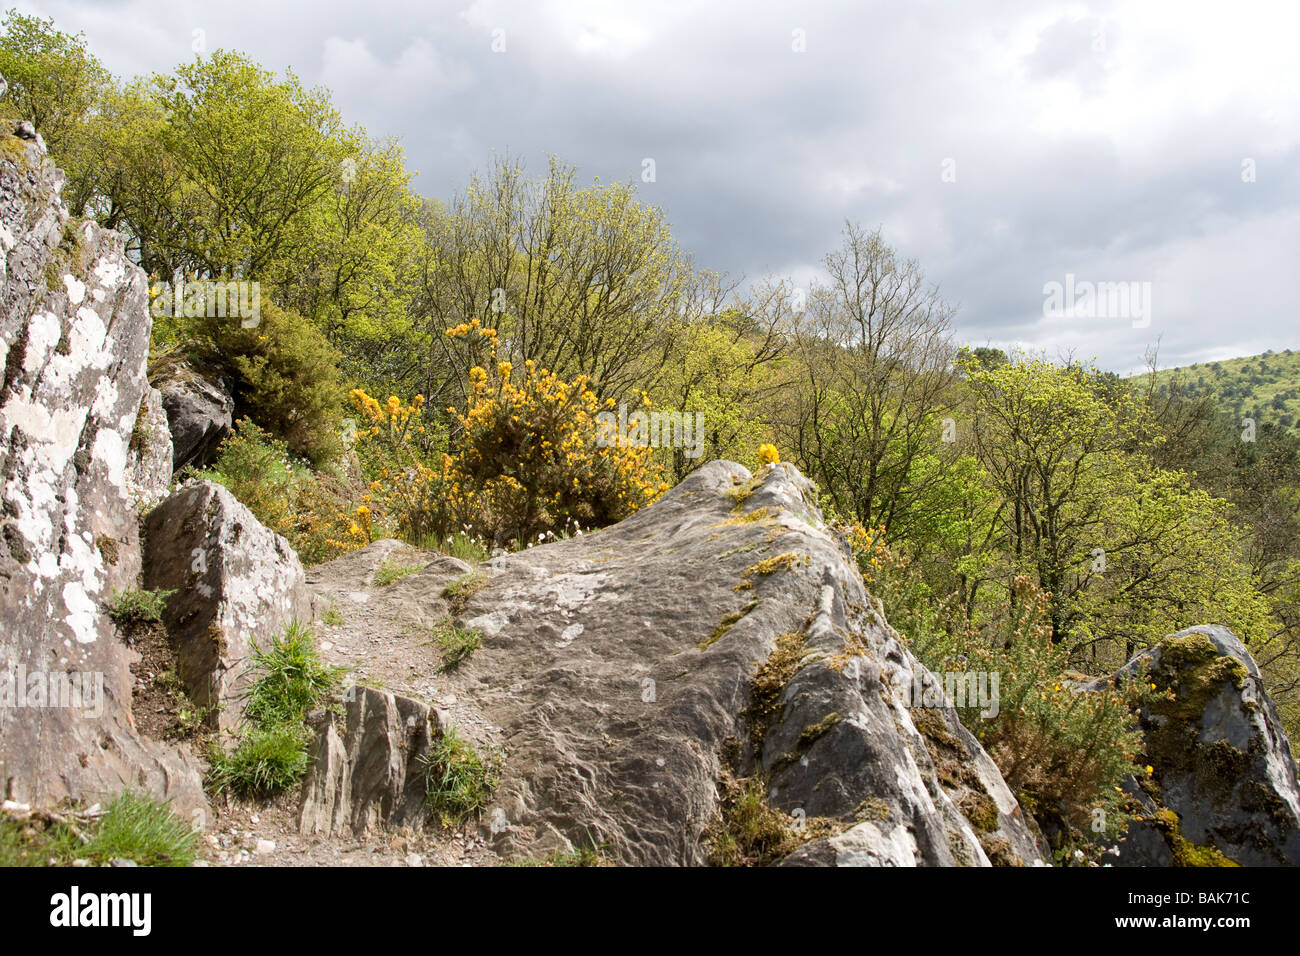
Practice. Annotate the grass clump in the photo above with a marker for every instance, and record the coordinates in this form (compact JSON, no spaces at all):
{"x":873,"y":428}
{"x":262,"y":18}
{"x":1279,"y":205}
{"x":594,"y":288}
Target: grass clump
{"x":293,"y":679}
{"x":264,"y":762}
{"x":272,"y":750}
{"x":456,"y":643}
{"x":459,"y":592}
{"x":137,"y":606}
{"x":748,"y":831}
{"x":332,"y":617}
{"x":458,"y":779}
{"x":137,"y":827}
{"x":591,"y":855}
{"x":134,"y":826}
{"x":460,"y":545}
{"x":390,"y":572}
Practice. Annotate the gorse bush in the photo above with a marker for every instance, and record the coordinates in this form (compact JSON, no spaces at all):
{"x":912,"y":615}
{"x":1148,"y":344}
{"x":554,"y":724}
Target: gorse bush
{"x":529,"y":457}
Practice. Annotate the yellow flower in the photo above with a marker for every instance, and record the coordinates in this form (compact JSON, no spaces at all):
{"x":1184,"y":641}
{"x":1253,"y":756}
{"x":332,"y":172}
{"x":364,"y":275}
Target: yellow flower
{"x":767,"y":454}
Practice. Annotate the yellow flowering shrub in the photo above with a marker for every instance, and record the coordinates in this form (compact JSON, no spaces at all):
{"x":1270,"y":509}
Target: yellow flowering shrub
{"x":529,"y":457}
{"x":767,"y":454}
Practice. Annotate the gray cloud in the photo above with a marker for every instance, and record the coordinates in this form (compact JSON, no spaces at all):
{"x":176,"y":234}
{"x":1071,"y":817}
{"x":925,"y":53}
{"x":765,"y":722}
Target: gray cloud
{"x":1107,"y":143}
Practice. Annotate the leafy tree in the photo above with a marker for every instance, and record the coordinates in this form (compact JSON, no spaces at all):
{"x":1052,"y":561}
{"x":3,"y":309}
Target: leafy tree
{"x":580,"y":280}
{"x":57,"y":84}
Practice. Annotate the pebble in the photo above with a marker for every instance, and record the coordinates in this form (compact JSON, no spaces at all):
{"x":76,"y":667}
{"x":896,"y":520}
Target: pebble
{"x":265,"y":846}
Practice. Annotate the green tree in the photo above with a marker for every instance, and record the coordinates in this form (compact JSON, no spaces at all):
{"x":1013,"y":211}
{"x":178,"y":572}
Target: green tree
{"x":57,"y":84}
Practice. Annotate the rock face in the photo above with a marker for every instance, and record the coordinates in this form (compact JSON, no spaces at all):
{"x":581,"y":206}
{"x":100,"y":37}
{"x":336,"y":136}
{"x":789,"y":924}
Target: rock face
{"x":74,"y":333}
{"x":236,"y":581}
{"x":200,"y":413}
{"x":367,"y":773}
{"x":1223,"y":775}
{"x":149,"y":453}
{"x":721,"y":633}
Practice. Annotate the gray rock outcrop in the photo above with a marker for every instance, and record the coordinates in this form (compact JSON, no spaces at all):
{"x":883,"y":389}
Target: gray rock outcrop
{"x":236,"y":582}
{"x":200,"y":412}
{"x":74,"y":335}
{"x":368,"y":769}
{"x":722,"y":633}
{"x":149,"y":453}
{"x":1223,"y":776}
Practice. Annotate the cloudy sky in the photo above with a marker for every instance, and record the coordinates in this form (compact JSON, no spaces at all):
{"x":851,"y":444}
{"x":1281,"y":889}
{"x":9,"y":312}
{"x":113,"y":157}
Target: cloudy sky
{"x":1003,"y":144}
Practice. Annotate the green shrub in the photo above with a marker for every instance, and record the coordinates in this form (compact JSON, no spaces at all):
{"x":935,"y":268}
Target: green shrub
{"x":285,"y":373}
{"x":136,"y":606}
{"x":1064,"y":753}
{"x":310,"y":509}
{"x":458,"y":779}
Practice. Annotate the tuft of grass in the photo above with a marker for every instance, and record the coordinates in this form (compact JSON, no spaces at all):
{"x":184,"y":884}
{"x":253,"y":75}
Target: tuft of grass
{"x":748,"y":832}
{"x":137,"y":606}
{"x":459,"y":592}
{"x":137,"y":827}
{"x":332,"y":617}
{"x":265,"y":761}
{"x":390,"y":572}
{"x":458,"y":779}
{"x":293,"y":679}
{"x":134,"y":826}
{"x":459,"y":545}
{"x":456,"y":643}
{"x":272,"y":751}
{"x":586,"y":856}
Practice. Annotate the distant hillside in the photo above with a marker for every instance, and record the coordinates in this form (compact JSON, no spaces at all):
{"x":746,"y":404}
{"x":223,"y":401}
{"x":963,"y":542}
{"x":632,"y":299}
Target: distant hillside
{"x":1265,"y":387}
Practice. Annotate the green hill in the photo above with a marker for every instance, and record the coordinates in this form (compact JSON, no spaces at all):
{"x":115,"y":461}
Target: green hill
{"x":1265,"y":387}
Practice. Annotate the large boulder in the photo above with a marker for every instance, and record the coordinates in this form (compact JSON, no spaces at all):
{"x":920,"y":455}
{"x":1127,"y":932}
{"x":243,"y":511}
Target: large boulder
{"x":200,"y":412}
{"x":720,"y":642}
{"x":236,"y":582}
{"x":1223,"y":783}
{"x":74,"y":335}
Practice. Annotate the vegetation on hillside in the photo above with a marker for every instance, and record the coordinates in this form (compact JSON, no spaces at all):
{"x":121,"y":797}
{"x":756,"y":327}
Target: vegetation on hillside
{"x":1264,"y":387}
{"x":452,"y":371}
